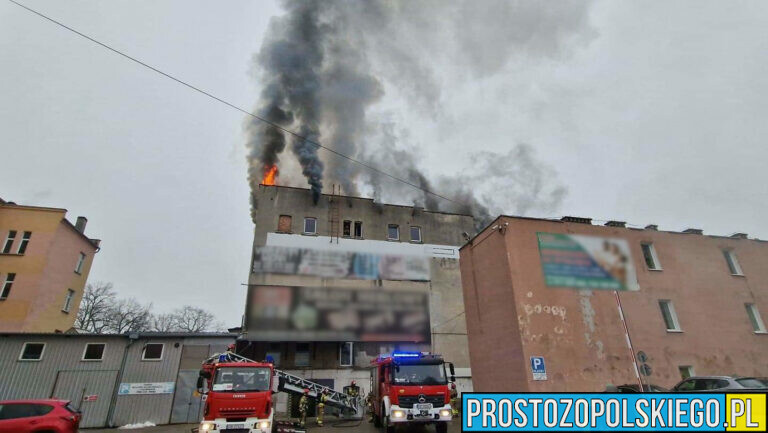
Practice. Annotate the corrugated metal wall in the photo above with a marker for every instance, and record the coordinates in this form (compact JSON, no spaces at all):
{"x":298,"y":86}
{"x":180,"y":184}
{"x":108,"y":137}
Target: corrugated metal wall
{"x":62,"y":373}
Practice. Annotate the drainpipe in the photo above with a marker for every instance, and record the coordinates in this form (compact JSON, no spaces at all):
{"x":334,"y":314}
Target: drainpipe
{"x":113,"y":402}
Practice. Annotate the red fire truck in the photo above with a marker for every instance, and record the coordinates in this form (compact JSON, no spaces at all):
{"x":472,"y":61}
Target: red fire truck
{"x":238,"y":394}
{"x":411,"y":387}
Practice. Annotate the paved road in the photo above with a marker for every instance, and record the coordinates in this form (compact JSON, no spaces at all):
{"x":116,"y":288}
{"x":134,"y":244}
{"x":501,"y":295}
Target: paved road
{"x":363,"y":427}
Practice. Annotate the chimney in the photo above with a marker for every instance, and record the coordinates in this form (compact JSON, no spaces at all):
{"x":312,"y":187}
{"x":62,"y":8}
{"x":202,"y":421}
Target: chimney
{"x":694,"y":231}
{"x":616,"y":224}
{"x":80,"y":224}
{"x":739,"y":236}
{"x":652,"y":227}
{"x":578,"y":220}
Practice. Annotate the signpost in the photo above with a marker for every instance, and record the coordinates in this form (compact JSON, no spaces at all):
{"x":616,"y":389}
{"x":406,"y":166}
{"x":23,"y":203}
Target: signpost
{"x":538,"y":368}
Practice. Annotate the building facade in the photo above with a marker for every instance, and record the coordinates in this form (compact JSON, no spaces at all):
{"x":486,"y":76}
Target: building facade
{"x":413,"y":289}
{"x":114,"y":379}
{"x":545,"y":301}
{"x":44,"y":265}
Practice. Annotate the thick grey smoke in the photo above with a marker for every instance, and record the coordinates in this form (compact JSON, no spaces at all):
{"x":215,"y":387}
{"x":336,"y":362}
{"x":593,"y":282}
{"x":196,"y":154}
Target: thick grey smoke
{"x":326,"y":63}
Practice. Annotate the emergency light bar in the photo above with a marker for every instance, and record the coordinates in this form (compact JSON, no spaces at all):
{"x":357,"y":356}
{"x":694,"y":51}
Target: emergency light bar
{"x":406,"y":354}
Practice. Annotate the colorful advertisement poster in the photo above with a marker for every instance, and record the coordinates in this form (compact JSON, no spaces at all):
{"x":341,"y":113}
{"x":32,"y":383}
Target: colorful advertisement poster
{"x":587,"y":262}
{"x":286,"y":313}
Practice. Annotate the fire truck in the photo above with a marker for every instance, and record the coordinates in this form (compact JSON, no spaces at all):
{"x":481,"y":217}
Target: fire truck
{"x":237,"y":392}
{"x":411,"y":387}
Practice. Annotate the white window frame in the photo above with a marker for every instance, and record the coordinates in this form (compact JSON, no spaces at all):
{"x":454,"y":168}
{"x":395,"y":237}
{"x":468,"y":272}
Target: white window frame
{"x":351,"y":346}
{"x":10,"y":239}
{"x":24,"y":242}
{"x":654,"y":256}
{"x":80,"y":263}
{"x":144,"y":353}
{"x":354,"y":225}
{"x":85,"y":349}
{"x":416,"y":241}
{"x":5,"y":283}
{"x":304,"y":228}
{"x":737,"y":267}
{"x":672,"y":314}
{"x":24,"y":347}
{"x":67,"y":307}
{"x":753,"y":312}
{"x":397,"y":227}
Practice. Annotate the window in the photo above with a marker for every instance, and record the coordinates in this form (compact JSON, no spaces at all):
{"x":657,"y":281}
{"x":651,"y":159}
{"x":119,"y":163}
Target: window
{"x":7,"y":286}
{"x":80,"y":262}
{"x":310,"y":226}
{"x":346,"y":357}
{"x":9,"y":242}
{"x":152,"y":352}
{"x":94,"y":352}
{"x":358,"y":229}
{"x":346,"y":228}
{"x":274,"y":353}
{"x":415,"y":234}
{"x":284,"y":224}
{"x":393,"y":232}
{"x":32,"y":352}
{"x":23,"y":410}
{"x":733,"y":264}
{"x":670,"y":317}
{"x":24,"y":242}
{"x":755,"y":319}
{"x":68,"y":301}
{"x":651,"y":259}
{"x":302,"y":355}
{"x":686,"y":371}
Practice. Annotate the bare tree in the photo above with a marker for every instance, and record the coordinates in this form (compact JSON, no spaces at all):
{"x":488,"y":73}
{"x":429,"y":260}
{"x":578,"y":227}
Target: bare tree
{"x":163,"y":323}
{"x":98,"y":299}
{"x":127,"y":315}
{"x":193,"y":319}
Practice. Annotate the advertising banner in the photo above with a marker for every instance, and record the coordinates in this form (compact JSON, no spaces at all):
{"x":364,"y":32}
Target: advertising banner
{"x":587,"y":262}
{"x":283,"y":313}
{"x":340,"y":264}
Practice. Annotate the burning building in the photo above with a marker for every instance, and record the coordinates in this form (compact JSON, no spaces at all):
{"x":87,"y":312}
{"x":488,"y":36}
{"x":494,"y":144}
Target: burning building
{"x":339,"y":280}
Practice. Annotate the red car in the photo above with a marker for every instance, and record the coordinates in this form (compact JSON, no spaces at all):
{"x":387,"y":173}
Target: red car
{"x":38,"y":416}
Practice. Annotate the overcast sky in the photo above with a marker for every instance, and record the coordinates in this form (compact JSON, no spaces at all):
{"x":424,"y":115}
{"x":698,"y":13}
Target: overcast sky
{"x":657,"y":115}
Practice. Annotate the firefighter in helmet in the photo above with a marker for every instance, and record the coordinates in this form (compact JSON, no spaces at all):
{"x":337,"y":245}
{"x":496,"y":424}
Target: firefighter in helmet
{"x":304,"y":407}
{"x":353,"y":389}
{"x":454,"y":400}
{"x":321,"y":406}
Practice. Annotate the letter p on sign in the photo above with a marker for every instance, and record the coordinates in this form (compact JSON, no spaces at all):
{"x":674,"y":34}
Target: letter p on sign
{"x":538,"y":369}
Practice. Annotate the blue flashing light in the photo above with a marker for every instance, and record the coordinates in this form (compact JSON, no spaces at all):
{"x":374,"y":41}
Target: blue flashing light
{"x":406,"y":354}
{"x":223,"y":357}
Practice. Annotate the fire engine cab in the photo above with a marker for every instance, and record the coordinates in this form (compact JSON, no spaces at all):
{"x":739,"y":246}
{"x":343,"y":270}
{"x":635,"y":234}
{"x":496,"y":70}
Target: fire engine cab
{"x":239,"y":396}
{"x":411,"y":387}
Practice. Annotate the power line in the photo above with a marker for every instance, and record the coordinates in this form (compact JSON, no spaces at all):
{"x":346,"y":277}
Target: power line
{"x":229,"y":104}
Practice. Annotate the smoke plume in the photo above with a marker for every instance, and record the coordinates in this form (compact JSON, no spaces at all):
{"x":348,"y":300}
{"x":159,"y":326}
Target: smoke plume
{"x":325,"y":64}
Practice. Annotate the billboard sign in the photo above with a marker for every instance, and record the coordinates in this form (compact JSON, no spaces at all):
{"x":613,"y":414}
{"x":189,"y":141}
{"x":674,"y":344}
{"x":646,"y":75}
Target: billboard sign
{"x":587,"y":262}
{"x":287,"y":313}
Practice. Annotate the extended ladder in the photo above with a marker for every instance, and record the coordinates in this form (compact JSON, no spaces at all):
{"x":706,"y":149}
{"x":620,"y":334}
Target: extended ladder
{"x":296,"y":385}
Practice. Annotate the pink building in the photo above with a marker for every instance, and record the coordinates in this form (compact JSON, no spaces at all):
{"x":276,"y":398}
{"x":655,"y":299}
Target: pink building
{"x":44,"y":264}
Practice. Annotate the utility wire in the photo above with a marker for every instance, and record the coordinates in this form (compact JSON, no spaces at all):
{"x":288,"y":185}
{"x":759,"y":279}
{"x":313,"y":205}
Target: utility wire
{"x":229,"y":104}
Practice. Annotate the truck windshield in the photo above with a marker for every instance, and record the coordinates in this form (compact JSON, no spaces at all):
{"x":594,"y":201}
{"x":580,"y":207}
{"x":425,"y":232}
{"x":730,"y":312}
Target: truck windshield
{"x":420,"y":374}
{"x":242,"y":379}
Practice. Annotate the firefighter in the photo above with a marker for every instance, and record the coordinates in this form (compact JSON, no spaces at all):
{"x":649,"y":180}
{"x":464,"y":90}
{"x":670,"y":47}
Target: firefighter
{"x":321,"y":407}
{"x":454,"y":400}
{"x":304,"y":407}
{"x":354,"y":390}
{"x":369,"y":406}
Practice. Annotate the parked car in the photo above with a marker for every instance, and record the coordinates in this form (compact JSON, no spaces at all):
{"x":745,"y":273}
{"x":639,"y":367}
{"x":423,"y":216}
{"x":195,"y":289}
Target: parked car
{"x":647,"y":387}
{"x":32,"y":416}
{"x":719,"y":384}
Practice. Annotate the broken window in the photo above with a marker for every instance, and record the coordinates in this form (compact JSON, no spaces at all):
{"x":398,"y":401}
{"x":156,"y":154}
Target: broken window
{"x":393,"y":232}
{"x":358,"y":229}
{"x":346,"y":228}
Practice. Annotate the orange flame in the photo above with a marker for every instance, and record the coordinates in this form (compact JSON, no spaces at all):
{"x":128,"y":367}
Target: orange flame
{"x":270,"y":174}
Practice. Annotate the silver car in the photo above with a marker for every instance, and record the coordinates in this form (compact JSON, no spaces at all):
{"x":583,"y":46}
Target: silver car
{"x":719,"y":384}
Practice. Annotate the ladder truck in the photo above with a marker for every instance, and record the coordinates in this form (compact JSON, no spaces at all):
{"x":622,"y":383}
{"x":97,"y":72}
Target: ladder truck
{"x":411,"y":388}
{"x":239,"y":394}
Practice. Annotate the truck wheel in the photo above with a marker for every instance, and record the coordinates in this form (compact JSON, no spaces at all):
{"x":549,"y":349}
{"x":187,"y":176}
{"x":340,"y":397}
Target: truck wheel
{"x":441,"y":427}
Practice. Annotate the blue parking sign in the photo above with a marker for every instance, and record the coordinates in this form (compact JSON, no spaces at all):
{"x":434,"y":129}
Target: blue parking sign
{"x":538,"y":368}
